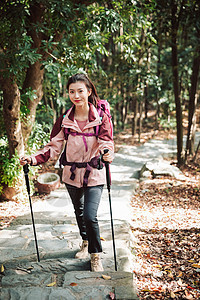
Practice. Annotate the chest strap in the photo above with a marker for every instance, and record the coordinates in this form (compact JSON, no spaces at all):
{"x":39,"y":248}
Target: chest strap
{"x":84,"y":134}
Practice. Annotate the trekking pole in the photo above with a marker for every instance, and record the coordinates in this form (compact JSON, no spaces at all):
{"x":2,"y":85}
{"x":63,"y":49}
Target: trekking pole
{"x":109,"y":196}
{"x":26,"y":170}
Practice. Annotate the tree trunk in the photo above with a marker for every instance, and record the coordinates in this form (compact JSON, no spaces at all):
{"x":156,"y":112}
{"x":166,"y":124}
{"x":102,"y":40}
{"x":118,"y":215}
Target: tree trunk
{"x":135,"y":118}
{"x":176,"y":84}
{"x":11,"y":115}
{"x":192,"y":105}
{"x":33,"y":80}
{"x":140,"y":121}
{"x":123,"y":107}
{"x":146,"y":87}
{"x":157,"y":115}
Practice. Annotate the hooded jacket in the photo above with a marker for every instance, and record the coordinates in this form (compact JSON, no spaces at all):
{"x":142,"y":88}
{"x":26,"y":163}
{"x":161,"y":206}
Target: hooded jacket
{"x":79,"y":149}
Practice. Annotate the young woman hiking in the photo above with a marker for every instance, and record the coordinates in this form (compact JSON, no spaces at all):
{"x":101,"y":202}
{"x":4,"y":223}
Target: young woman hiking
{"x":83,"y":180}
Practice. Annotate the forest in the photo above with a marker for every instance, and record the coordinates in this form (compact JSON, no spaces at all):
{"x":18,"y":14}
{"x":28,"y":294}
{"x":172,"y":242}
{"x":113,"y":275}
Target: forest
{"x":143,"y":56}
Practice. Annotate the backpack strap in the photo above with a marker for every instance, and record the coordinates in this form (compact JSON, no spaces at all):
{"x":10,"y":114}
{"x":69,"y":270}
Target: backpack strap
{"x":67,"y":132}
{"x":84,"y":134}
{"x":104,"y":108}
{"x":96,"y":128}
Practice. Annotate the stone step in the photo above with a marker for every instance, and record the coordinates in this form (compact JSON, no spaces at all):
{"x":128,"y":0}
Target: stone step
{"x":25,"y":278}
{"x":66,"y":285}
{"x":62,"y":240}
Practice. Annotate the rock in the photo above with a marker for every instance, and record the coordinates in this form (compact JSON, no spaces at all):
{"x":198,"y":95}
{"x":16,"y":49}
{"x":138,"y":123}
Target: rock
{"x":160,"y":167}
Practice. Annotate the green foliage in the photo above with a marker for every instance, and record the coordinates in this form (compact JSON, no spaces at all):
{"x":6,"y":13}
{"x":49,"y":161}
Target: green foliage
{"x":125,"y":47}
{"x":168,"y":123}
{"x":39,"y":136}
{"x":44,"y":116}
{"x":25,"y":96}
{"x":9,"y":167}
{"x":17,"y":51}
{"x":11,"y":173}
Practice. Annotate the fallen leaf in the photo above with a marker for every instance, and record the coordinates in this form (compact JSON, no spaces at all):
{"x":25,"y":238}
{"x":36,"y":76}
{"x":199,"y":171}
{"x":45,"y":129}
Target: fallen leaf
{"x":196,"y":265}
{"x":180,"y":282}
{"x":106,"y":277}
{"x":170,"y":275}
{"x":188,"y":295}
{"x":73,"y":284}
{"x":157,"y":289}
{"x":177,"y":290}
{"x":146,"y":290}
{"x":51,"y":284}
{"x":180,"y":274}
{"x":2,"y":269}
{"x":172,"y":295}
{"x":22,"y":271}
{"x":190,"y":287}
{"x":158,"y":266}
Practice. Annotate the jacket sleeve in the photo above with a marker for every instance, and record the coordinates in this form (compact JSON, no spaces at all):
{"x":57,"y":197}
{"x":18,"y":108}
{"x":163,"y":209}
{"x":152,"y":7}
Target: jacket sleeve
{"x":51,"y":150}
{"x":105,"y":138}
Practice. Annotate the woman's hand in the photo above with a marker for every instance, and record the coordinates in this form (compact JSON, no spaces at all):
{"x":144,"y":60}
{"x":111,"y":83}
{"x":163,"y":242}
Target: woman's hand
{"x":108,"y":157}
{"x":25,"y":160}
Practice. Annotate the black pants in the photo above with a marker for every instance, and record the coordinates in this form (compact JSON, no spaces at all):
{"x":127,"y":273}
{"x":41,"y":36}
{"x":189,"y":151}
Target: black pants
{"x":86,"y":202}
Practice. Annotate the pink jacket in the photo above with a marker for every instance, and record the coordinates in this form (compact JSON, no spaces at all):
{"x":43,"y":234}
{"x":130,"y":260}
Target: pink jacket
{"x":80,"y":149}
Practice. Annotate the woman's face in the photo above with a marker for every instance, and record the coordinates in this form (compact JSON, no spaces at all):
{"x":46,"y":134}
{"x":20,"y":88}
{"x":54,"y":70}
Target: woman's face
{"x":78,"y":93}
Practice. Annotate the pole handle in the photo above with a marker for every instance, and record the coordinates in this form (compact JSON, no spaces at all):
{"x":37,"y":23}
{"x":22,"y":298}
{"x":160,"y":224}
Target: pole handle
{"x":107,"y":171}
{"x":26,"y":170}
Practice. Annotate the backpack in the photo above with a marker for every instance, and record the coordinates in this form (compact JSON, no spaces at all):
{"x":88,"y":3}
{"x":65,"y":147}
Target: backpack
{"x":104,"y":106}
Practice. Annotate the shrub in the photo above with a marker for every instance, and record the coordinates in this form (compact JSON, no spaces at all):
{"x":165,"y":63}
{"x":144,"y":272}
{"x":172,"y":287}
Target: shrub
{"x":10,"y":169}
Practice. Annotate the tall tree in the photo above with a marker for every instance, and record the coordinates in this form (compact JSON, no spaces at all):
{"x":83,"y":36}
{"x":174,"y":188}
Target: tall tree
{"x":175,"y":20}
{"x":30,"y":31}
{"x":194,"y":21}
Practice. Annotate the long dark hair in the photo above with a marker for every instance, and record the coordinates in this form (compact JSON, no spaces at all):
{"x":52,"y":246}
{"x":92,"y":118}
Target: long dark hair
{"x":93,"y":98}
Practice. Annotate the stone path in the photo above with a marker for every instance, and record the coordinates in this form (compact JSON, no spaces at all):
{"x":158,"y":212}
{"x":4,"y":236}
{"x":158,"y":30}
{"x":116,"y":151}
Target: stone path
{"x":58,"y":241}
{"x":58,"y":275}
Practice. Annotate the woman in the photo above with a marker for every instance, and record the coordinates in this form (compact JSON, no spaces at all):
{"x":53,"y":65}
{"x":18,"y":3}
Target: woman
{"x":83,"y":180}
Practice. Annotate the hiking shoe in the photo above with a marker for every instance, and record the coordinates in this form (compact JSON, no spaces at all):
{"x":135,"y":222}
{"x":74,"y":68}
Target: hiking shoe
{"x":83,"y":253}
{"x":96,"y":265}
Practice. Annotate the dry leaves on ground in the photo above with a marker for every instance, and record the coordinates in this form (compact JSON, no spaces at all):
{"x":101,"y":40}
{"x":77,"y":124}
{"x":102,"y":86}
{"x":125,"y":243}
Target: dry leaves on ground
{"x":9,"y":210}
{"x":166,"y":227}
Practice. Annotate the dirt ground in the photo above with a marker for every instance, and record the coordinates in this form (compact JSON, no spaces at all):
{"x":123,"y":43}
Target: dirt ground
{"x":166,"y":227}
